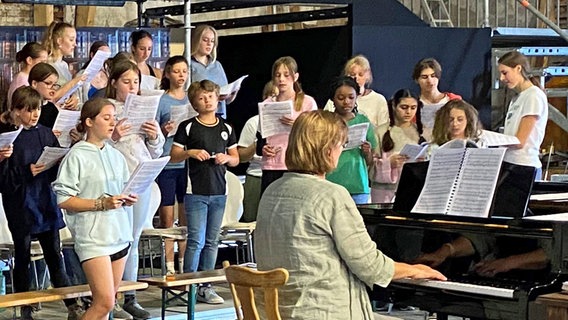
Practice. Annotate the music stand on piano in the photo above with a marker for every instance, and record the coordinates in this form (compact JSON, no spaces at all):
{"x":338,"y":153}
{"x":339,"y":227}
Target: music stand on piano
{"x":510,"y":200}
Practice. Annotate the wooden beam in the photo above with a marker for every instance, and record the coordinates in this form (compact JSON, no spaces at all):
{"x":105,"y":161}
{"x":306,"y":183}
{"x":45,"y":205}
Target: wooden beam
{"x":43,"y":14}
{"x":85,"y":16}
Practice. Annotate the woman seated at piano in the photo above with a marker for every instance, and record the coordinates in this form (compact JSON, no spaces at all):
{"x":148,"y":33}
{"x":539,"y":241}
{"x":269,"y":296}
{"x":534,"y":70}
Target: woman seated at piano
{"x":312,"y":227}
{"x":457,"y":119}
{"x":493,"y":255}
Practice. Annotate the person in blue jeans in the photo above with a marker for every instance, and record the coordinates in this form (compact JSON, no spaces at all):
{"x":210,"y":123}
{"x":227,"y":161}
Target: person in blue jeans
{"x":208,"y":144}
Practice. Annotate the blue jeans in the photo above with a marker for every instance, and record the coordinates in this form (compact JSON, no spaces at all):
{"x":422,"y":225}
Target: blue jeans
{"x":204,"y":217}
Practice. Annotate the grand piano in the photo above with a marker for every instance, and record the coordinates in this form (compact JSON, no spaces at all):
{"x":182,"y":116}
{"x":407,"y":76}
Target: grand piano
{"x":402,"y":235}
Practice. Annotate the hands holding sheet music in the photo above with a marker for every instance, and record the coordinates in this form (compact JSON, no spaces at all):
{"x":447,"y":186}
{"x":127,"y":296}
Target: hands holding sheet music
{"x":6,"y":151}
{"x":111,"y":202}
{"x":397,"y":160}
{"x":269,"y":151}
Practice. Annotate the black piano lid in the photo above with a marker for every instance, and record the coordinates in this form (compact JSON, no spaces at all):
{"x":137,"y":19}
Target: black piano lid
{"x":510,"y":200}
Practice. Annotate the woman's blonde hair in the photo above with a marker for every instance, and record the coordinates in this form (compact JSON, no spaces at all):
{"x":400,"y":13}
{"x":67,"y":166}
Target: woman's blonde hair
{"x":441,"y":132}
{"x":56,"y":30}
{"x":196,"y":38}
{"x":313,"y":137}
{"x":361,"y":61}
{"x":292,"y":66}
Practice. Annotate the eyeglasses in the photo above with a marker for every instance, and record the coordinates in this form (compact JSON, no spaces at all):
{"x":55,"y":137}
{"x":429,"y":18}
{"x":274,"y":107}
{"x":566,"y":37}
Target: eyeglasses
{"x":52,"y":86}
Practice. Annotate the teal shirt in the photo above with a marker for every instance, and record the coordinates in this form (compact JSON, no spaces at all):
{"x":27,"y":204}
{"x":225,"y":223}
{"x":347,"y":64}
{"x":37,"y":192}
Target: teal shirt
{"x":351,"y":171}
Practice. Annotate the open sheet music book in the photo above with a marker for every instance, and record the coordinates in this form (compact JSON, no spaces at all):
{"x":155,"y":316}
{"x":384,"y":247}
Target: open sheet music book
{"x":144,"y":174}
{"x":460,"y":181}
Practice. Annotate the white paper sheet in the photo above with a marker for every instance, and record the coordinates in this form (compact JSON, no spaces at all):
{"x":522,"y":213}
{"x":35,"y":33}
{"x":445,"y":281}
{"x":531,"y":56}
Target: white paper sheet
{"x":233,"y":86}
{"x":180,"y":113}
{"x":139,"y":109}
{"x":7,"y":138}
{"x":51,"y":155}
{"x":65,"y":121}
{"x":144,"y":174}
{"x":91,"y":71}
{"x":270,"y":114}
{"x":414,"y":151}
{"x":356,"y":135}
{"x":495,"y":139}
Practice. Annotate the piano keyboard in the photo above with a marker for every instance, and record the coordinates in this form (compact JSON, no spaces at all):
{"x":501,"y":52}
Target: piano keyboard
{"x":460,"y":287}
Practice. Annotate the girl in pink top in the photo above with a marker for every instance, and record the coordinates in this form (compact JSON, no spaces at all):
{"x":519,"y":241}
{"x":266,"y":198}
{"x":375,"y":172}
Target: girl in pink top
{"x":30,"y":55}
{"x":285,"y":76}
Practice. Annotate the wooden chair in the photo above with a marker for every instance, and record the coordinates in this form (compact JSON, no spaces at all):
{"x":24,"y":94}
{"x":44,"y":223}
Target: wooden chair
{"x":242,"y":280}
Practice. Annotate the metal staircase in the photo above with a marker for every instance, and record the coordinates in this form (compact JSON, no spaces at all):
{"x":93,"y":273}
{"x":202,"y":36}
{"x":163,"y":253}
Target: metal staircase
{"x":437,"y":13}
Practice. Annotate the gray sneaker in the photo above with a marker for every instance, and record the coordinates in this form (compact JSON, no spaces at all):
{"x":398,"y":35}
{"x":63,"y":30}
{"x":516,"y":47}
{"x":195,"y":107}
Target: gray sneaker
{"x":208,"y":295}
{"x":74,"y":312}
{"x":138,"y":313}
{"x":119,"y":313}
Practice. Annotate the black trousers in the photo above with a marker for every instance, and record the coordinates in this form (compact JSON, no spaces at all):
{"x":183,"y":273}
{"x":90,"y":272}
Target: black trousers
{"x":51,"y":247}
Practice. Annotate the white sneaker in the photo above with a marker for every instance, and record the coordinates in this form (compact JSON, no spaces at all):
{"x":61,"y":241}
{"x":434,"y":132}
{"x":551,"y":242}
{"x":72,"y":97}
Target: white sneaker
{"x":208,"y":295}
{"x":119,"y":313}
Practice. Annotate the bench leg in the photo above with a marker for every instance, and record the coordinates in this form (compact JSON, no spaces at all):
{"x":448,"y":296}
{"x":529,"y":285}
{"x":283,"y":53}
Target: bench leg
{"x":191,"y":301}
{"x":164,"y":297}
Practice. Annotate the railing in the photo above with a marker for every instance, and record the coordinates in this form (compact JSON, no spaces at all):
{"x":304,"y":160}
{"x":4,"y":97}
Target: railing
{"x":493,"y":13}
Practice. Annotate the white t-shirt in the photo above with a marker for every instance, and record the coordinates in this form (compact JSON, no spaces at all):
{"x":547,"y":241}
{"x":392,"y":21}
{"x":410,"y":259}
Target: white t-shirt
{"x":247,"y":138}
{"x":531,"y":101}
{"x":428,"y":116}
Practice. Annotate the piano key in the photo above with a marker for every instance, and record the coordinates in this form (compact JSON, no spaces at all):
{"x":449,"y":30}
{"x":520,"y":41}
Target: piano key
{"x":460,"y":287}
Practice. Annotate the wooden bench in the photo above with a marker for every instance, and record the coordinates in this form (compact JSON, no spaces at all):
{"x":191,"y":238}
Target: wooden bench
{"x":55,"y":294}
{"x":187,"y":283}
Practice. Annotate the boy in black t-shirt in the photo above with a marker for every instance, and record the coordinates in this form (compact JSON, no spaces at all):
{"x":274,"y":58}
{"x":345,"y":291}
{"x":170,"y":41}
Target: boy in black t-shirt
{"x":208,"y":144}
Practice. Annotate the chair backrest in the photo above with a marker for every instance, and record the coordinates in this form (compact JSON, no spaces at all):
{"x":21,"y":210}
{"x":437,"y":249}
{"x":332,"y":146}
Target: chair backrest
{"x":235,"y":195}
{"x":242,"y":280}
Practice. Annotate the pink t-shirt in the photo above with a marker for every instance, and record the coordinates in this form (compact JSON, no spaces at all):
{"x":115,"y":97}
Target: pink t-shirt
{"x":21,"y":79}
{"x":281,"y":140}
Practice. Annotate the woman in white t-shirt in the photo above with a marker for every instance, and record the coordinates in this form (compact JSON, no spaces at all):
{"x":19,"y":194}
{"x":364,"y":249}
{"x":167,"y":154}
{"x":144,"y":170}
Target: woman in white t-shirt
{"x":528,"y":111}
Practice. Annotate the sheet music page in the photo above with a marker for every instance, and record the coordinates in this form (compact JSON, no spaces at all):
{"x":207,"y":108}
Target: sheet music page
{"x":7,"y":138}
{"x":495,"y":139}
{"x":144,"y":174}
{"x":270,"y":114}
{"x":91,"y":71}
{"x":440,"y":180}
{"x":139,"y":109}
{"x":180,"y":113}
{"x":65,"y":121}
{"x":414,"y":151}
{"x":356,"y":135}
{"x":476,"y":184}
{"x":233,"y":86}
{"x":549,"y":217}
{"x":558,"y":196}
{"x":51,"y":155}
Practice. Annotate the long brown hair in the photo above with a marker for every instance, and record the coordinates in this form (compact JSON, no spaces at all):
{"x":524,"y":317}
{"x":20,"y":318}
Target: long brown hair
{"x":512,"y":59}
{"x":117,"y":70}
{"x":292,"y":66}
{"x":387,"y":143}
{"x":90,"y":110}
{"x":440,"y":132}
